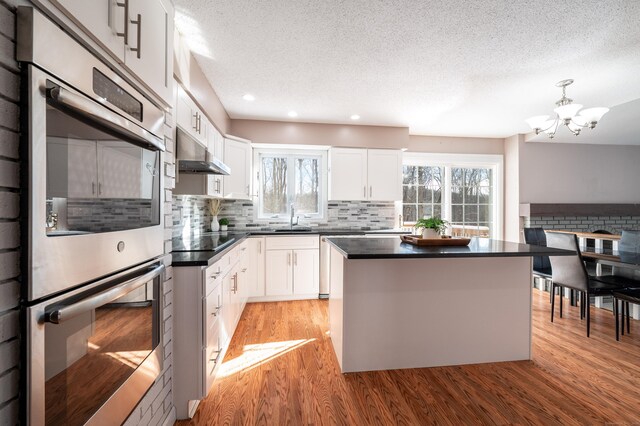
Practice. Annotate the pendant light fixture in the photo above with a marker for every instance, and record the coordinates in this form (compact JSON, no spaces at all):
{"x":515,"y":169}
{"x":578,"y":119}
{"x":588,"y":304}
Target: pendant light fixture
{"x":567,"y":113}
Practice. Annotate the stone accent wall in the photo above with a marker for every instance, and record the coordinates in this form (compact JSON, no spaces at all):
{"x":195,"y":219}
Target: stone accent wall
{"x":156,"y":408}
{"x":9,"y":218}
{"x":190,"y":214}
{"x":613,"y":224}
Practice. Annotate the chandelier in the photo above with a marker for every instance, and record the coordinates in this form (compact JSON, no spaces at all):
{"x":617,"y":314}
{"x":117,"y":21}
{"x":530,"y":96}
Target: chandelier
{"x":567,"y":113}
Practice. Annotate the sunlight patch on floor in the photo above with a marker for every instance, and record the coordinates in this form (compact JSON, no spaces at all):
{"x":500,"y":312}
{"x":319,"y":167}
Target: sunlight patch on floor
{"x":258,"y":354}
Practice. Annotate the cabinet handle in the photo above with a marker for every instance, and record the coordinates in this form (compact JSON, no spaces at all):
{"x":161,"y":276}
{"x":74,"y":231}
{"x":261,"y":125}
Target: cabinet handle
{"x":138,"y":48}
{"x":99,"y":188}
{"x":248,"y":193}
{"x":259,"y":247}
{"x":215,"y":360}
{"x":364,"y":191}
{"x":295,"y":258}
{"x":244,"y":269}
{"x":218,"y":185}
{"x":93,"y":187}
{"x":288,"y":258}
{"x":195,"y":126}
{"x":370,"y":191}
{"x":125,"y":34}
{"x":216,"y":312}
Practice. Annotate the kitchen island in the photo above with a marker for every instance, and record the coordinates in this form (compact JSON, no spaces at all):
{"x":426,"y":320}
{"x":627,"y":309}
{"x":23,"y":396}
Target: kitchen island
{"x":394,"y":305}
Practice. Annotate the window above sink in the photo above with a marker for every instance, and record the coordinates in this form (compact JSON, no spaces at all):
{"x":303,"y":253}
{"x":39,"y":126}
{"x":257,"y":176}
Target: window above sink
{"x":289,"y":178}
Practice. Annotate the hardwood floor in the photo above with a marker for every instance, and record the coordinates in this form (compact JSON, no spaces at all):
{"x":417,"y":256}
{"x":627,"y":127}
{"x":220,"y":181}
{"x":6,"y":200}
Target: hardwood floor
{"x":281,"y":369}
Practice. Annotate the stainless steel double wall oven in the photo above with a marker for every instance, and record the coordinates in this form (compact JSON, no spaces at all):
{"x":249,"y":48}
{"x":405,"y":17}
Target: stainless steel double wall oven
{"x":93,"y":236}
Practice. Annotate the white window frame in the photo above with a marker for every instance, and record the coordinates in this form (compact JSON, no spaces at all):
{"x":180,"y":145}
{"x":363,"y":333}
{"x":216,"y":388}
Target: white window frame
{"x":449,"y":161}
{"x":274,"y":150}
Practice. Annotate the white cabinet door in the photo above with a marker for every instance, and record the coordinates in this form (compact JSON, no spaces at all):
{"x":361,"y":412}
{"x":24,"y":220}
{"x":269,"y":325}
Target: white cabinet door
{"x":255,"y":278}
{"x":237,"y":155}
{"x":348,"y":174}
{"x":384,"y":174}
{"x":278,"y":276}
{"x":149,"y":51}
{"x":226,"y":318}
{"x":306,"y":270}
{"x":104,"y":19}
{"x":215,"y":145}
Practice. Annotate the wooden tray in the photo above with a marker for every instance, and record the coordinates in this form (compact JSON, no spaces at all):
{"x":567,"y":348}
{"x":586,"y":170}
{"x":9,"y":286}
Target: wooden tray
{"x":417,"y":241}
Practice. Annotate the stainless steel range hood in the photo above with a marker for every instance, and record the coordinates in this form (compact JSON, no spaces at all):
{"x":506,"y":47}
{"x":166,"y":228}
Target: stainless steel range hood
{"x":194,"y":158}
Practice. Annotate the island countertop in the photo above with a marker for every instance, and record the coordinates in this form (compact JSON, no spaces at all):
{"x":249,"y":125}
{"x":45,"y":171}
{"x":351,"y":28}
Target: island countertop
{"x":394,"y":248}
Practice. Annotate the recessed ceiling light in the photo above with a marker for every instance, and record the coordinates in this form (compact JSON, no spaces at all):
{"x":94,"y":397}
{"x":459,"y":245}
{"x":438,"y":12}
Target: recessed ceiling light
{"x":355,"y":117}
{"x":292,"y":114}
{"x":249,"y":97}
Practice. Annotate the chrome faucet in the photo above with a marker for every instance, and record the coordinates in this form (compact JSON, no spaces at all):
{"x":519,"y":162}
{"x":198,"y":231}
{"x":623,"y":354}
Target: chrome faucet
{"x":291,"y":222}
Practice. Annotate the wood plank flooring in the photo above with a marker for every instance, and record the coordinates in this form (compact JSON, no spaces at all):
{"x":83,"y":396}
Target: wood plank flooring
{"x":281,"y":369}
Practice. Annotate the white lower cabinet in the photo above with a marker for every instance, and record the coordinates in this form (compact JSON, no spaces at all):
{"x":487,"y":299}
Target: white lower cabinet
{"x":292,"y":267}
{"x":208,"y":303}
{"x":254,"y":276}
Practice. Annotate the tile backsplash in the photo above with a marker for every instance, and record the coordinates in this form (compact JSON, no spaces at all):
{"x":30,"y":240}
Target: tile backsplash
{"x":190,"y":214}
{"x":613,"y":224}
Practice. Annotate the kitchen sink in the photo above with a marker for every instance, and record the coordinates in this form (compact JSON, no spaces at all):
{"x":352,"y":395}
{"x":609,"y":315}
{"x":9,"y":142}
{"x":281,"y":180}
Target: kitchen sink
{"x":293,"y":230}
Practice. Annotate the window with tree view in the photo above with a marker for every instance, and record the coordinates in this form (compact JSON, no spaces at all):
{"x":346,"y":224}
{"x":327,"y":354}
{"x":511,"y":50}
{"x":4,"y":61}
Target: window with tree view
{"x":462,"y":195}
{"x":290,"y":179}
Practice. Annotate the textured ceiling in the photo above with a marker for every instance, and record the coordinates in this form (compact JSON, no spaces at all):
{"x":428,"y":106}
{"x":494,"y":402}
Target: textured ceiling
{"x":454,"y":67}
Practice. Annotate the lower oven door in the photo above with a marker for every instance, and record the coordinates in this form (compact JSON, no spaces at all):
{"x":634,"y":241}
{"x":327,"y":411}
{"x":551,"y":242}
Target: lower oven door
{"x":93,"y":353}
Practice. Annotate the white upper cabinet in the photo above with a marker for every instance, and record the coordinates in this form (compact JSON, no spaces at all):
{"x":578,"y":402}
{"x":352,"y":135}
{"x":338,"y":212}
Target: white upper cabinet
{"x":347,"y":174}
{"x":104,"y":19}
{"x":215,"y":146}
{"x":237,"y":155}
{"x":149,"y":52}
{"x":137,"y":33}
{"x":190,"y":118}
{"x":365,"y":174}
{"x":384,"y":175}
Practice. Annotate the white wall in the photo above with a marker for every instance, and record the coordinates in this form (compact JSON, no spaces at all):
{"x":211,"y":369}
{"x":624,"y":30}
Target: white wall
{"x":512,"y":188}
{"x":577,"y":173}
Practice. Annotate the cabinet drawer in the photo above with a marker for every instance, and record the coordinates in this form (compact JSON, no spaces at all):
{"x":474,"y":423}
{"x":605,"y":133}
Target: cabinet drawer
{"x":213,"y":277}
{"x":292,"y":243}
{"x":213,"y":308}
{"x":212,"y":357}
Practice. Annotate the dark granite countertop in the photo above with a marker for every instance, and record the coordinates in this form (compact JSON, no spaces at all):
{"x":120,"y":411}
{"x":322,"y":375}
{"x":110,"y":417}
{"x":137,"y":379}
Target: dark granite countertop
{"x":206,"y":248}
{"x":393,"y":248}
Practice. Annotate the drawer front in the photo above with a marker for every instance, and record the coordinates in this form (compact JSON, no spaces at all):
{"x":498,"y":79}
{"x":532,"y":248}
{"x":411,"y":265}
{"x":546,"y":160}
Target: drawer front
{"x":293,"y":243}
{"x":213,"y":276}
{"x":212,"y":354}
{"x":213,"y":309}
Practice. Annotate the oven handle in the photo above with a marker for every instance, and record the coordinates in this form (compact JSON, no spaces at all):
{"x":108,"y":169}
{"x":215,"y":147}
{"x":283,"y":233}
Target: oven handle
{"x":65,"y":313}
{"x":101,"y":115}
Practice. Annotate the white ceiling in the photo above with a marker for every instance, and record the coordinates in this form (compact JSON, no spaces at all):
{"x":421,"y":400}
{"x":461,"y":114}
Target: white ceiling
{"x":449,"y":67}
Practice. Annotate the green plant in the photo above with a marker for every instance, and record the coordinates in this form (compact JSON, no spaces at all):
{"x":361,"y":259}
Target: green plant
{"x":436,"y":223}
{"x":223,"y":221}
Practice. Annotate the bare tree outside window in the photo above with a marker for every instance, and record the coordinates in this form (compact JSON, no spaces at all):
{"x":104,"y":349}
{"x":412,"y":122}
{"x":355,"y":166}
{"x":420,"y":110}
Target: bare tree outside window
{"x":471,"y":200}
{"x":274,"y":185}
{"x":421,"y":192}
{"x":307,"y":181}
{"x":290,"y":179}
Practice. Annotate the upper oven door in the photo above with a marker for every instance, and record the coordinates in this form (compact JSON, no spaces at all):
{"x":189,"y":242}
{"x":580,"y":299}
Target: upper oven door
{"x":95,"y":183}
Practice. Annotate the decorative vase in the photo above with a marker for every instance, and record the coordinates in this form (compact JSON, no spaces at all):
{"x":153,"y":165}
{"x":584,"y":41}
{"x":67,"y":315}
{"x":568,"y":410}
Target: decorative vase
{"x":223,"y":227}
{"x":430,"y":233}
{"x":215,"y":226}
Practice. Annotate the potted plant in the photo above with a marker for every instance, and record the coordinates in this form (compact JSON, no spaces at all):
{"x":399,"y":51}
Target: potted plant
{"x":432,"y":227}
{"x":224,"y":223}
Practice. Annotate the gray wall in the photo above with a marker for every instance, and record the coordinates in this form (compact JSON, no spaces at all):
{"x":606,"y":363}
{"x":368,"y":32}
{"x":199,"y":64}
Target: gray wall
{"x":9,"y":212}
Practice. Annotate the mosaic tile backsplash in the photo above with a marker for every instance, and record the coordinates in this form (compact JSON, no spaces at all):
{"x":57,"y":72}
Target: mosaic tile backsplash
{"x":190,"y":214}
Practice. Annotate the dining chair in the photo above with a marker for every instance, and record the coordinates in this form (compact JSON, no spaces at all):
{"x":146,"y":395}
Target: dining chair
{"x":541,"y":264}
{"x":624,"y":297}
{"x":570,"y":272}
{"x":630,"y":243}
